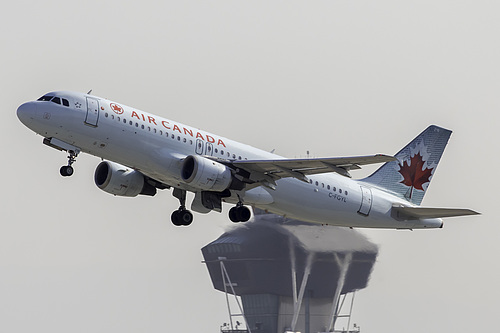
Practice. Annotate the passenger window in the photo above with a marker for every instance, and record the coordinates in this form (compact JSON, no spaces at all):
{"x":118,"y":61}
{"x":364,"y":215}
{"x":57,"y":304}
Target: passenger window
{"x":65,"y":102}
{"x":56,"y":100}
{"x":328,"y":187}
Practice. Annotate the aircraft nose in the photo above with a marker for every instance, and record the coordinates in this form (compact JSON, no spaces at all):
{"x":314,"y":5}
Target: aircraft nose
{"x":26,"y":112}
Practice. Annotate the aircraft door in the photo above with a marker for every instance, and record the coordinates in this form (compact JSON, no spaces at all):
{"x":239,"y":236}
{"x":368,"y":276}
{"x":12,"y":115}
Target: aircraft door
{"x":366,"y":201}
{"x":92,"y":112}
{"x":209,"y":150}
{"x":199,"y":146}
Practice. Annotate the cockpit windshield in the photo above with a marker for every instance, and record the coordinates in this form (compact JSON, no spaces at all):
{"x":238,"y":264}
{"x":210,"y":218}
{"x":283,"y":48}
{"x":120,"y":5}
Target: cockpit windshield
{"x":54,"y":99}
{"x":45,"y":98}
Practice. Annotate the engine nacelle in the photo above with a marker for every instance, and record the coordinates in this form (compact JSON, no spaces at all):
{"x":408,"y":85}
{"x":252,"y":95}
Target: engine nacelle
{"x":119,"y":180}
{"x":205,"y":174}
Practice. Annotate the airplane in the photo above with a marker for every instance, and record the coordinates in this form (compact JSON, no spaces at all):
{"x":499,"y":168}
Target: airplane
{"x":142,"y":153}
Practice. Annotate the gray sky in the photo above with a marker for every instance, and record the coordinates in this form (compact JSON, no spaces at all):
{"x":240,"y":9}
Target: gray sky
{"x":337,"y":78}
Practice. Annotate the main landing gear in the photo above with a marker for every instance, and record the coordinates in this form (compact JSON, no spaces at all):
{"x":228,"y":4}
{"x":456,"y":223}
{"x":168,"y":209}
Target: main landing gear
{"x":181,"y":216}
{"x":67,"y":170}
{"x":239,"y":213}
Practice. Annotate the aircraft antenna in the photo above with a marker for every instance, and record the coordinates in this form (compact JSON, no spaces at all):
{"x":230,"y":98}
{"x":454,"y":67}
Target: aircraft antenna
{"x":90,"y":91}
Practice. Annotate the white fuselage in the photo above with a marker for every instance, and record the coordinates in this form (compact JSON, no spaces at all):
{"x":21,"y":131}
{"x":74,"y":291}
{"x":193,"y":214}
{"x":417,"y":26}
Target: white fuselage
{"x":156,"y":147}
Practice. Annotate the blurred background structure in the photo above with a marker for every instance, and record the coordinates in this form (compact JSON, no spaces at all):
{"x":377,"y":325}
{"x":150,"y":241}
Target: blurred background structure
{"x":291,"y":276}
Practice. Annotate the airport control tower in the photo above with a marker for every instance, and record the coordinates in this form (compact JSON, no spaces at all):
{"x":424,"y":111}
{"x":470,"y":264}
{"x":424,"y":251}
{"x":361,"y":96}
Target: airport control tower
{"x":291,"y":276}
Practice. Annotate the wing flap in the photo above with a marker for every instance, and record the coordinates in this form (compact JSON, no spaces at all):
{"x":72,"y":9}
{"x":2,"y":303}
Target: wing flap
{"x":415,"y":213}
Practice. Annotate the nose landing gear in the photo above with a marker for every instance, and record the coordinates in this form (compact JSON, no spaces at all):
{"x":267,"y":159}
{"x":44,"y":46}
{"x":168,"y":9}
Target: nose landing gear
{"x":67,"y":170}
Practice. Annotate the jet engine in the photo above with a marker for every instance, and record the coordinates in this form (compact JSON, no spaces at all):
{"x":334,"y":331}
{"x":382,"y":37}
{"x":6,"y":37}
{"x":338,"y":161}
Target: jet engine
{"x":120,"y":180}
{"x":205,"y":174}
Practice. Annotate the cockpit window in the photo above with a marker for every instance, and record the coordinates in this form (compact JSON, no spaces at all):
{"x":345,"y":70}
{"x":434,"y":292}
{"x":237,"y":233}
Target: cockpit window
{"x":54,"y":99}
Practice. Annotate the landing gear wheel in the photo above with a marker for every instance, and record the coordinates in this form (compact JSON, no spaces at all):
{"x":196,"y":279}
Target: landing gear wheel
{"x":244,"y":214}
{"x":239,"y":214}
{"x":233,"y":215}
{"x":66,"y":170}
{"x":175,"y":218}
{"x":182,"y":217}
{"x":186,"y":217}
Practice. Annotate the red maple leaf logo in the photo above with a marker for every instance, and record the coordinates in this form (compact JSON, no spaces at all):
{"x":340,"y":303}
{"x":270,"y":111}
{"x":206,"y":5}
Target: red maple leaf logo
{"x":116,"y":108}
{"x":413,"y":174}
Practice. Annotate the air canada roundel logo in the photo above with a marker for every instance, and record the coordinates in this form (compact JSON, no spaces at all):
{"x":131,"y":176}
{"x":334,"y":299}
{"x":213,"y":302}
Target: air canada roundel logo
{"x":116,"y":108}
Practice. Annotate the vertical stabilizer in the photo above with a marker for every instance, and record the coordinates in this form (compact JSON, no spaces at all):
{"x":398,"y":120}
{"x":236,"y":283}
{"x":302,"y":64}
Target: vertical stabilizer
{"x":410,"y":176}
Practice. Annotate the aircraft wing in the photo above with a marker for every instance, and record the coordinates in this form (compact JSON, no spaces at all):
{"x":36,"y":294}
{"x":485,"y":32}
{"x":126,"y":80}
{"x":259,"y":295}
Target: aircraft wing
{"x":271,"y":170}
{"x":414,"y":213}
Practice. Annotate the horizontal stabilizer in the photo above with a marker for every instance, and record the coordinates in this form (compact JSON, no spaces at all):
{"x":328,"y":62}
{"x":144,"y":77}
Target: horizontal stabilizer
{"x":414,"y":213}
